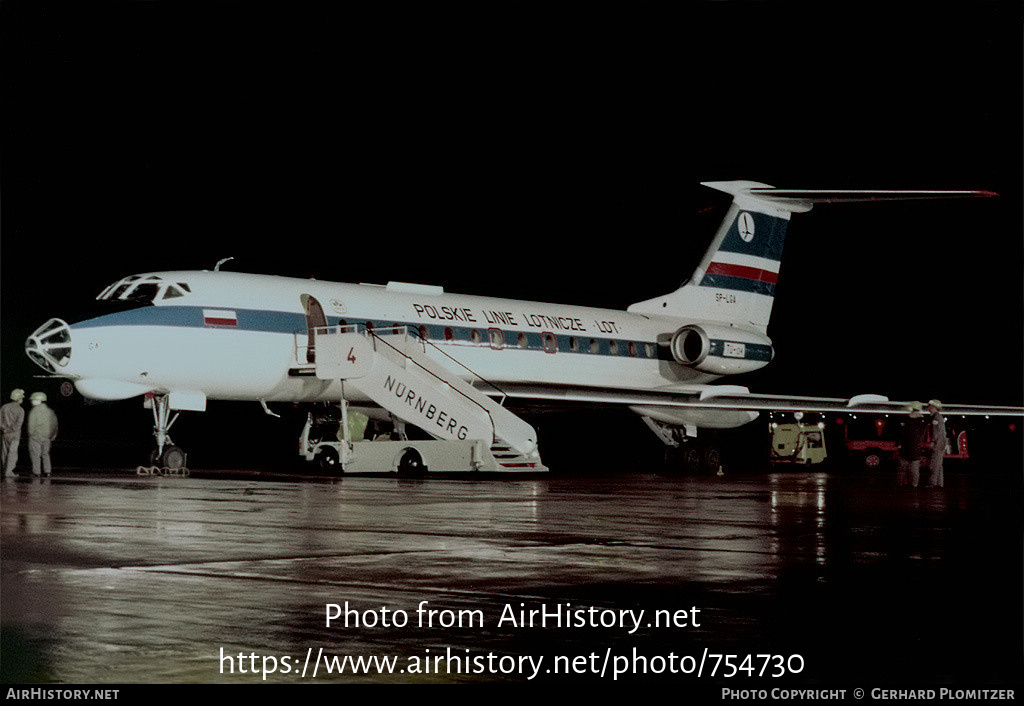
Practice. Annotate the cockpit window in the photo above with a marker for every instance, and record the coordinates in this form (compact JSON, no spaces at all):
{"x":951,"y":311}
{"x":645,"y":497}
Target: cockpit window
{"x":117,"y":288}
{"x":146,"y":292}
{"x":139,"y":289}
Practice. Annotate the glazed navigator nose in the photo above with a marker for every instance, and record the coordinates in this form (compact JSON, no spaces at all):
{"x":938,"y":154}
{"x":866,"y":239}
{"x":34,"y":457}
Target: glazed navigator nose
{"x":50,"y":346}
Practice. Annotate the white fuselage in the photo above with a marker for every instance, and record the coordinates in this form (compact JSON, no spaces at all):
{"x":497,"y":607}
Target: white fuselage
{"x":236,"y":336}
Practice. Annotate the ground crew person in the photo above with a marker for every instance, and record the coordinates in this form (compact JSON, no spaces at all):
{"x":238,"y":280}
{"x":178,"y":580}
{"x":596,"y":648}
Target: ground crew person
{"x":12,"y":416}
{"x":936,"y":477}
{"x":42,"y":430}
{"x":912,"y":445}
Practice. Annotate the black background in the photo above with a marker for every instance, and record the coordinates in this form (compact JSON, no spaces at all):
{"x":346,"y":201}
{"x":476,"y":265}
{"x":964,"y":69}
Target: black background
{"x":526,"y":154}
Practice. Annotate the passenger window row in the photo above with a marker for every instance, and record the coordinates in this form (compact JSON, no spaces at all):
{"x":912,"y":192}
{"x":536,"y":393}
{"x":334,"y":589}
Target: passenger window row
{"x":499,"y":339}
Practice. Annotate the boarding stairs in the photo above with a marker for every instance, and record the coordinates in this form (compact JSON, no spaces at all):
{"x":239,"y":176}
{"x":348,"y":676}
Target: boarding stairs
{"x":398,"y":371}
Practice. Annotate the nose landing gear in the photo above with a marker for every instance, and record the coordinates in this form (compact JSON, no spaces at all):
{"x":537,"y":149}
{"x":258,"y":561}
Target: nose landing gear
{"x":166,"y":454}
{"x":172,"y":458}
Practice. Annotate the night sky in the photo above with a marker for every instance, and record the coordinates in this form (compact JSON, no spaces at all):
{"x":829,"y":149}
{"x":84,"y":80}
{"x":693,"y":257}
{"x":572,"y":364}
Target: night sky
{"x":525,"y":154}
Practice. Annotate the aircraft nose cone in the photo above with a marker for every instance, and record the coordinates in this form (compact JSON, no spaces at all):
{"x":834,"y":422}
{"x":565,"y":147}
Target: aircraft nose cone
{"x":50,"y":346}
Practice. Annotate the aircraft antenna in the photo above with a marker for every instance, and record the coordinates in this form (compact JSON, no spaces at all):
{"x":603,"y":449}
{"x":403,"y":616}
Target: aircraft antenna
{"x":221,"y":262}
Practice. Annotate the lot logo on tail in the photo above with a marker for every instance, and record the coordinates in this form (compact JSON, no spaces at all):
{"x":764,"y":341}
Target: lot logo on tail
{"x":746,"y":227}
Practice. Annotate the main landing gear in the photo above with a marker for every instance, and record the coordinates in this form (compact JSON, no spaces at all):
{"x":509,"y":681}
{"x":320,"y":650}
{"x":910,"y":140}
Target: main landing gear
{"x":696,"y":457}
{"x":166,"y":454}
{"x":683,"y":450}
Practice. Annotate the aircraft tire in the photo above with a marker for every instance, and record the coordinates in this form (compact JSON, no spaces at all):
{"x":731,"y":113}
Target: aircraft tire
{"x":692,"y":458}
{"x":713,"y":460}
{"x":172,"y":458}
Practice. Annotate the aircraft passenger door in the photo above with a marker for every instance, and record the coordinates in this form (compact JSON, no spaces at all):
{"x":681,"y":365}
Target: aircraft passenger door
{"x":315,"y":318}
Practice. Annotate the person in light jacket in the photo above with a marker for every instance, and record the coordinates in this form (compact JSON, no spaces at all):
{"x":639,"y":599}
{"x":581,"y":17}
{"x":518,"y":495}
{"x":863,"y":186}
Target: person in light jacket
{"x":12,"y":417}
{"x":936,"y":476}
{"x":42,"y":430}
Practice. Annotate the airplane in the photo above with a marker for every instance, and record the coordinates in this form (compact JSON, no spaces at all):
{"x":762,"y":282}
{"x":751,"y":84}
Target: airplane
{"x":446,"y":363}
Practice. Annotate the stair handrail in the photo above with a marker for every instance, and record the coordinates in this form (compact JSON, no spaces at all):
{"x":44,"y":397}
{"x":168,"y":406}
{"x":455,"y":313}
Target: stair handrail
{"x":374,"y":335}
{"x":403,"y":329}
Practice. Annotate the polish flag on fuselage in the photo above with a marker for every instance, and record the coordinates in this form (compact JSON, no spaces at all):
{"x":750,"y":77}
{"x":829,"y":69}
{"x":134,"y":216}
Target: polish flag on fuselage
{"x":220,"y":317}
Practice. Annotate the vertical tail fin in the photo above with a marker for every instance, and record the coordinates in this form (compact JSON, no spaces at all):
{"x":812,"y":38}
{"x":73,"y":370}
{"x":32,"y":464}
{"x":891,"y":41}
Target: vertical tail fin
{"x":735,"y":281}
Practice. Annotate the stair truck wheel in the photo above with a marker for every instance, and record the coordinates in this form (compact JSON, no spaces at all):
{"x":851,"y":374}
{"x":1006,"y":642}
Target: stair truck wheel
{"x":330,"y":462}
{"x":411,"y":464}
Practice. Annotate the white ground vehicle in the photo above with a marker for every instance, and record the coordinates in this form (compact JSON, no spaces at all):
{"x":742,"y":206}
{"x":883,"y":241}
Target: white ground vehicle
{"x":799,"y":443}
{"x":469,"y":431}
{"x":409,"y":457}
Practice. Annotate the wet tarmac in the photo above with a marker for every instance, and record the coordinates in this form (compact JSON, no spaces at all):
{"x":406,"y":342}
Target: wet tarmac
{"x":112,"y":578}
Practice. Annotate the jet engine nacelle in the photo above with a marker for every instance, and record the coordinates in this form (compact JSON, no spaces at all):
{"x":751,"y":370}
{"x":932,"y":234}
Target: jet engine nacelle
{"x":720,"y":350}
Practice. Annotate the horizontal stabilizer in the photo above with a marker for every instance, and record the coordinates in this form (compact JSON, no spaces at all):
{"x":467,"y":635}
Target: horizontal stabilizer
{"x":798,"y":200}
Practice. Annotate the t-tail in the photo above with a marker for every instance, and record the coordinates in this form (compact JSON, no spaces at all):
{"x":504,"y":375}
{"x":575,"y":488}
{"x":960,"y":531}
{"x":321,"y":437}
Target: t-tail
{"x":735,"y":282}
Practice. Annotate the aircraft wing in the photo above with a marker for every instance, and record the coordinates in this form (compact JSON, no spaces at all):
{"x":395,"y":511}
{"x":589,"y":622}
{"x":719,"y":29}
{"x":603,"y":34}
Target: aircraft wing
{"x":736,"y":398}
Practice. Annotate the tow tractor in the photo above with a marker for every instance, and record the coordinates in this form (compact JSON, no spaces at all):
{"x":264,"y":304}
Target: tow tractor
{"x":878,"y":445}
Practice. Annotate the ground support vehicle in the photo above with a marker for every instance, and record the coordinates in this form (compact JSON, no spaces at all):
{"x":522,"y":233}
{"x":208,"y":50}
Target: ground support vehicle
{"x":393,"y":371}
{"x":799,"y":443}
{"x":879,"y":448}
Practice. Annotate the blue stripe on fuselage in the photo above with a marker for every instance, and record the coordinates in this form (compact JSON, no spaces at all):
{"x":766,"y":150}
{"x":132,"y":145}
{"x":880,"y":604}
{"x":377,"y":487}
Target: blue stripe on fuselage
{"x":285,"y":322}
{"x":192,"y":317}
